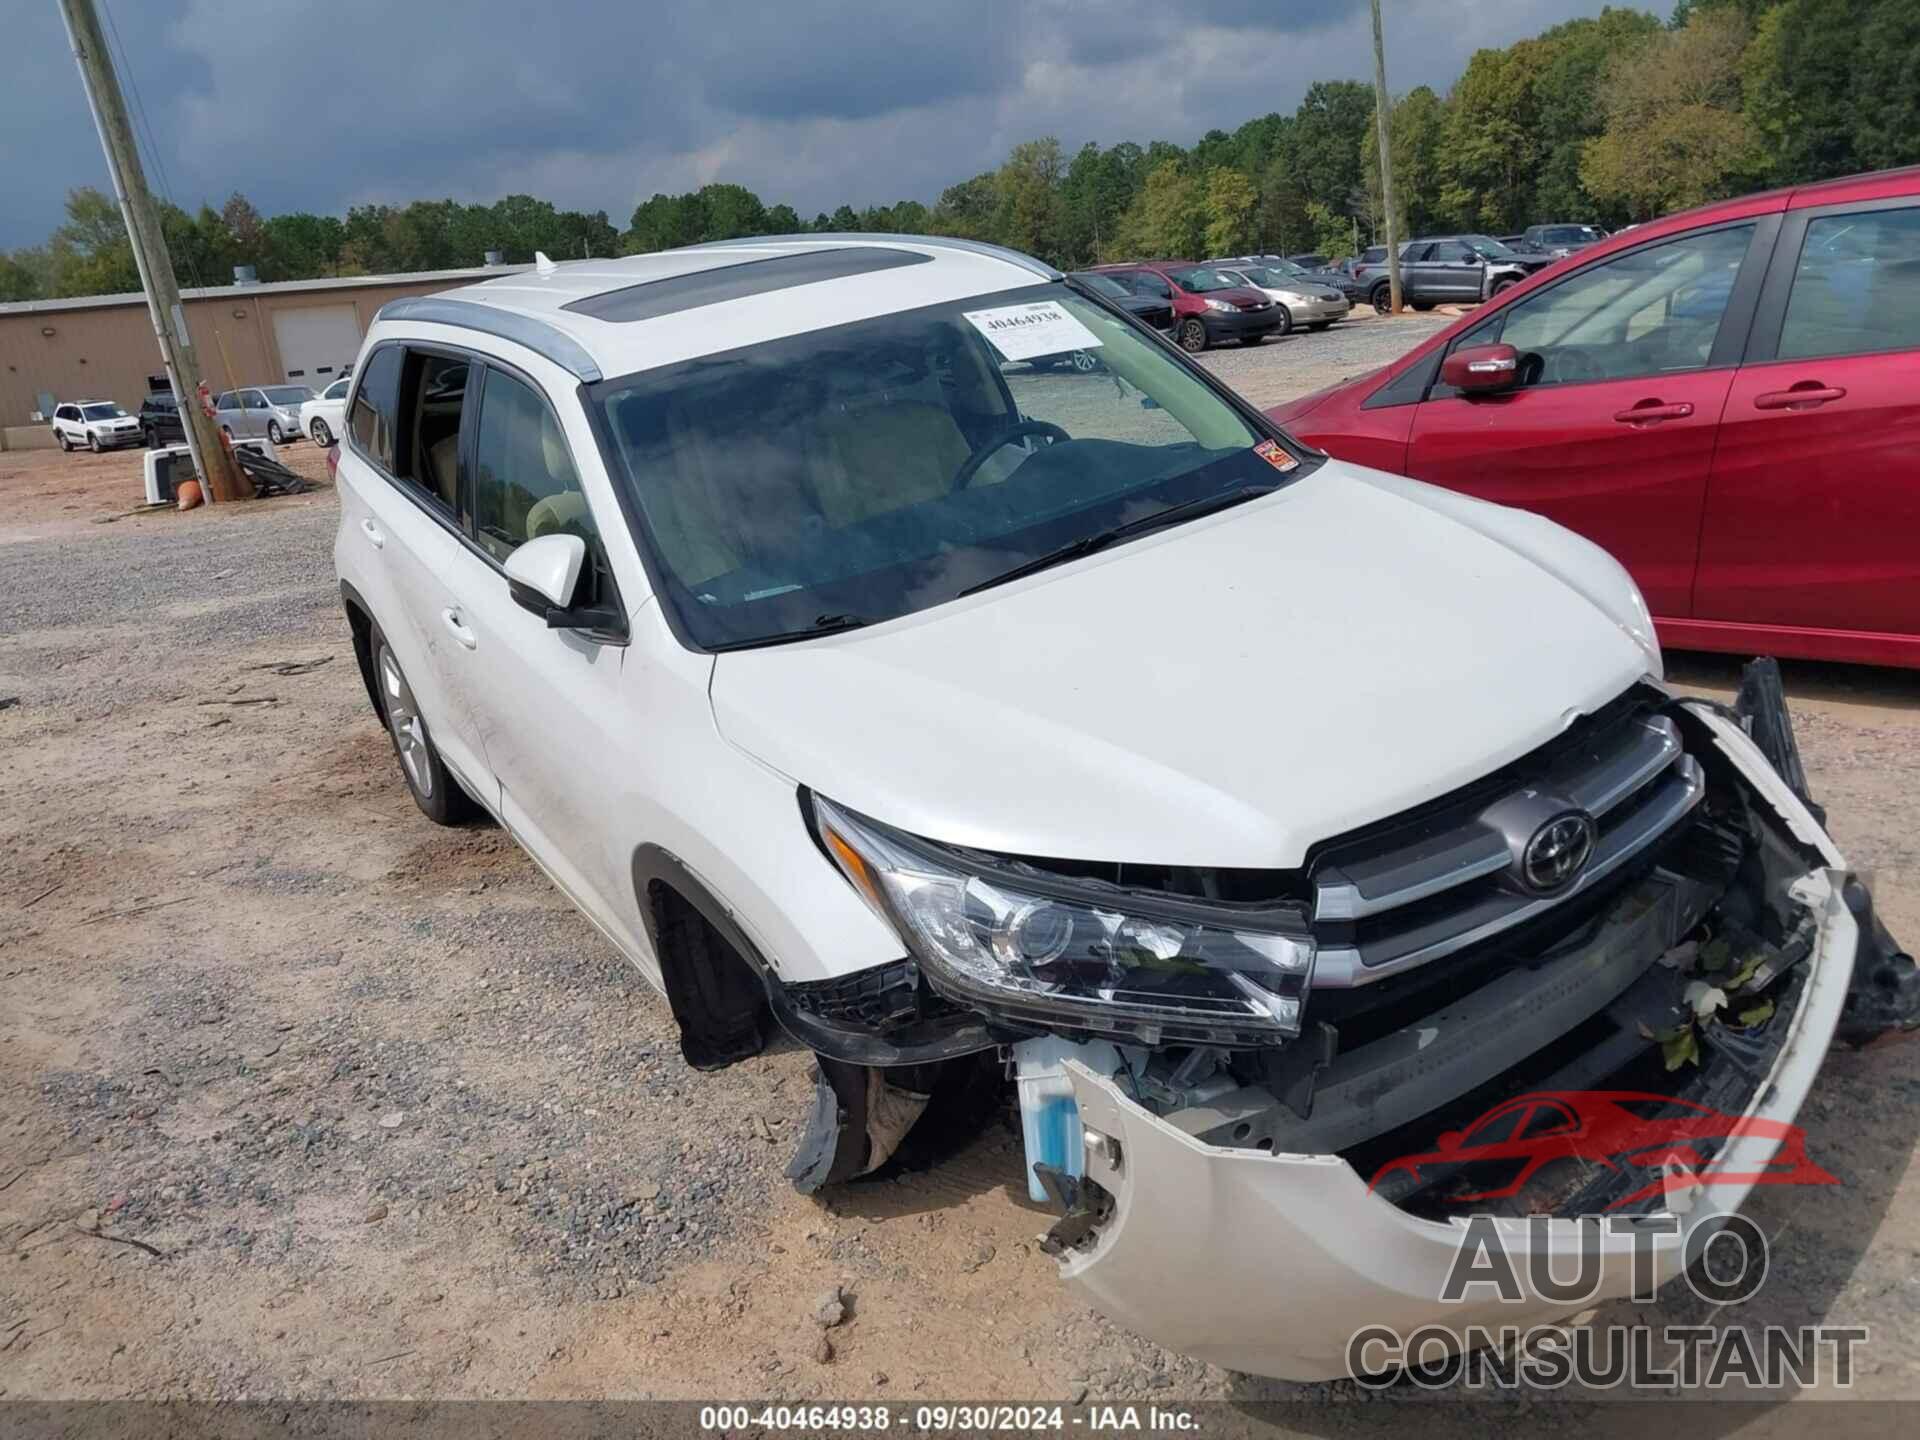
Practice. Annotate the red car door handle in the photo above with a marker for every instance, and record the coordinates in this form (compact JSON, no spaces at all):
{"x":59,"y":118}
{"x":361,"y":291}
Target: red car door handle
{"x":1648,"y":411}
{"x":1811,"y":394}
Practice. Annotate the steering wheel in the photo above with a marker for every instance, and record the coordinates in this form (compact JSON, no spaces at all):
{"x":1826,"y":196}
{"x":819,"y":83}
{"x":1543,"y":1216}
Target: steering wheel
{"x":963,"y":477}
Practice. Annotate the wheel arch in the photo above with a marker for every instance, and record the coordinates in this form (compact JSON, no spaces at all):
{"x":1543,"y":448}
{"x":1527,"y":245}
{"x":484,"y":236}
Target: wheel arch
{"x":360,"y":621}
{"x":711,"y":971}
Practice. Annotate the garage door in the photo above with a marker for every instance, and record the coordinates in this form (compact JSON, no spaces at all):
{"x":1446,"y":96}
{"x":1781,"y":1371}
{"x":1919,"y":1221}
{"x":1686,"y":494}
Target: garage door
{"x":317,"y":342}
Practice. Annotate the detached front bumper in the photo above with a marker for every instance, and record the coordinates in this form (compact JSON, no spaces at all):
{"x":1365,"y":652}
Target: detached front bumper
{"x":1270,"y":1262}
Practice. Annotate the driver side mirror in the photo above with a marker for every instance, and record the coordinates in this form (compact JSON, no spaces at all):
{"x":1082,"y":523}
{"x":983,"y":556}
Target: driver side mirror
{"x":543,"y":576}
{"x":1481,"y":369}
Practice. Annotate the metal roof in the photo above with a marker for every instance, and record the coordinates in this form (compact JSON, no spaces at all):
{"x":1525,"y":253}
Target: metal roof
{"x":268,"y":287}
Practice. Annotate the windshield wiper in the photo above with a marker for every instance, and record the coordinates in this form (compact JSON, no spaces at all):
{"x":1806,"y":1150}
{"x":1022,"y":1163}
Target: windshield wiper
{"x":1101,"y":539}
{"x":821,"y":625}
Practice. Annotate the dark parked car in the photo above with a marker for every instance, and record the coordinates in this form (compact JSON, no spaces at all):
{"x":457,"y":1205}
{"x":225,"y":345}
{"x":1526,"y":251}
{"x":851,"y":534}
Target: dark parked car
{"x":1728,"y":400}
{"x":1448,"y":270}
{"x":1207,"y":307}
{"x":1150,"y":309}
{"x":1558,"y":240}
{"x":160,"y":422}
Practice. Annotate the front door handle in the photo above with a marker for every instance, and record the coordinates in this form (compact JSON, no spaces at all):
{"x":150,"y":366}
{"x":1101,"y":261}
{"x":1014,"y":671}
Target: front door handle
{"x":1808,"y":393}
{"x":1649,"y":412}
{"x":373,"y":534}
{"x":460,"y":632}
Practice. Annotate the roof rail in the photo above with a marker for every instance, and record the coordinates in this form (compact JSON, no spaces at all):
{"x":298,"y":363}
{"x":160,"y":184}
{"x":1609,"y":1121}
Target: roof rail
{"x":522,"y":329}
{"x":934,"y":242}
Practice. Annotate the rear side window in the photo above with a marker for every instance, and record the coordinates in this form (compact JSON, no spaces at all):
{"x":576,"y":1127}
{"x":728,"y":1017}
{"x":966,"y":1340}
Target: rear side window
{"x":525,"y":485}
{"x":374,"y":406}
{"x":433,"y":394}
{"x":1856,"y":289}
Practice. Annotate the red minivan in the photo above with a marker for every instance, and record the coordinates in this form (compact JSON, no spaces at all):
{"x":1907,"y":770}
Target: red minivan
{"x":1727,"y":399}
{"x":1207,"y":307}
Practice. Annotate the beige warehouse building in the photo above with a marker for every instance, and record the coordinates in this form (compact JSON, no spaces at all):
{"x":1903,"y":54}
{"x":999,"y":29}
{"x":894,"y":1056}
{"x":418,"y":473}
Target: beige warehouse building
{"x":101,"y":347}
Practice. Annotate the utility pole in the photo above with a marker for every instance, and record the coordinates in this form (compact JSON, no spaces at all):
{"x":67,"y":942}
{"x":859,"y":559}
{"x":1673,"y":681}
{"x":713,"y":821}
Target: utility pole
{"x":1383,"y":123}
{"x":210,"y":458}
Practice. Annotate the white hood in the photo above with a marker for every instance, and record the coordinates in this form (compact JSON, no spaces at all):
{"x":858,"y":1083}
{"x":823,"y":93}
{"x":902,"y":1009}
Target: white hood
{"x":1225,"y":693}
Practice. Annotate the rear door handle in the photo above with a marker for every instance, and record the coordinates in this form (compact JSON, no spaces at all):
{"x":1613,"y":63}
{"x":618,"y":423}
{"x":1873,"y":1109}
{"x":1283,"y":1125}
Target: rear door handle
{"x":372,"y":532}
{"x":1811,"y":394}
{"x":1650,"y":411}
{"x":460,"y":632}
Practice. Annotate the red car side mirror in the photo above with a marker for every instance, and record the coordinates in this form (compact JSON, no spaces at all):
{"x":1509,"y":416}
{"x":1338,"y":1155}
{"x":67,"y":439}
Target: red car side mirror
{"x":1449,"y":1141}
{"x":1481,"y":368}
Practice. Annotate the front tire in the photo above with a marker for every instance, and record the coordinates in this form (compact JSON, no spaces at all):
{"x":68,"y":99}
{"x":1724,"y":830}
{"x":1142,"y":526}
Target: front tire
{"x":275,"y":433}
{"x":322,"y":436}
{"x":1193,"y":335}
{"x":1502,"y":286}
{"x":93,"y":441}
{"x":65,"y":444}
{"x":434,"y":790}
{"x":1286,"y":321}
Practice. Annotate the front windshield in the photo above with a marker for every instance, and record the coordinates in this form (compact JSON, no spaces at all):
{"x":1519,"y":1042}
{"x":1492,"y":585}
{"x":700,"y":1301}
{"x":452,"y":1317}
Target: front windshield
{"x":289,"y":394}
{"x":1200,"y":279}
{"x":880,"y":467}
{"x":1487,"y":247}
{"x":102,"y":412}
{"x":1274,"y":277}
{"x":1105,"y":285}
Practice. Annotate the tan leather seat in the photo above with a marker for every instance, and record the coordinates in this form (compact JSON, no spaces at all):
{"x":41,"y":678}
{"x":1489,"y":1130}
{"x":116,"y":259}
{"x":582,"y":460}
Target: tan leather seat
{"x":885,"y":458}
{"x":443,"y":464}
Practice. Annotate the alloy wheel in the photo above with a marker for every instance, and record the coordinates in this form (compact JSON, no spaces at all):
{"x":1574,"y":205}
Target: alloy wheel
{"x":403,"y":719}
{"x":322,"y":436}
{"x":1193,"y":336}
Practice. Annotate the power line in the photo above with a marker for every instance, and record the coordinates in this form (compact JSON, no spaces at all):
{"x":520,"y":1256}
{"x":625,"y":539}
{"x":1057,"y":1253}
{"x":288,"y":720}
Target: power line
{"x":153,"y":140}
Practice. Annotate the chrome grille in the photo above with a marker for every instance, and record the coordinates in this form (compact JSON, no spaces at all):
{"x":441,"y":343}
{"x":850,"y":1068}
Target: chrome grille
{"x":1407,"y":901}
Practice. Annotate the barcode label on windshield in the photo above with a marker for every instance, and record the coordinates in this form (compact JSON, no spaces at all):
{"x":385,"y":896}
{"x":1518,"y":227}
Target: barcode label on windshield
{"x":1021,"y":332}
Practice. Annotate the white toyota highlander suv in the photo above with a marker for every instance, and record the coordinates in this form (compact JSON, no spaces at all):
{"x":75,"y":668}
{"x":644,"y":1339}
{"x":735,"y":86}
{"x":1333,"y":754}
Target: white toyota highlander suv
{"x":856,"y":668}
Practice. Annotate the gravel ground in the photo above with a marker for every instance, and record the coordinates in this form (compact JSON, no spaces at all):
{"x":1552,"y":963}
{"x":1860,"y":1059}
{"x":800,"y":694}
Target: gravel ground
{"x":305,"y":1097}
{"x":1278,"y":370}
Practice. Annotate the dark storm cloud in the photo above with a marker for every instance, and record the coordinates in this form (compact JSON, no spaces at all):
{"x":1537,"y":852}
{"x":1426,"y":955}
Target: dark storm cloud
{"x":596,"y":105}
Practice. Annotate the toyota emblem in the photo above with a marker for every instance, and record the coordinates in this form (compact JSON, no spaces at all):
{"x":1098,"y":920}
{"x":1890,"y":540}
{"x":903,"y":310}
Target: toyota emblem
{"x":1557,"y":852}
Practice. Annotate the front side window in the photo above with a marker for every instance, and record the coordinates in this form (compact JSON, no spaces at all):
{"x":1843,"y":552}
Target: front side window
{"x":374,"y":406}
{"x":254,"y":400}
{"x":1149,"y":283}
{"x":1487,"y":247}
{"x":225,"y":401}
{"x":336,"y":390}
{"x":1105,"y":285}
{"x":877,"y":468}
{"x":1856,"y":289}
{"x":525,"y":485}
{"x":1451,"y":250}
{"x":1647,"y":312}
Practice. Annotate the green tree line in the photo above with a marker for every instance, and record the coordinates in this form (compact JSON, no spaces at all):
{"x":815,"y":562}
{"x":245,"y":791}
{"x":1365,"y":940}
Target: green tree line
{"x":1609,"y":119}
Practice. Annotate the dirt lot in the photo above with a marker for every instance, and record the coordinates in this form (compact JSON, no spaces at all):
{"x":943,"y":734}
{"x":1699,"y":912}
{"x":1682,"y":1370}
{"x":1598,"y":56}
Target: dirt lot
{"x":305,"y":1097}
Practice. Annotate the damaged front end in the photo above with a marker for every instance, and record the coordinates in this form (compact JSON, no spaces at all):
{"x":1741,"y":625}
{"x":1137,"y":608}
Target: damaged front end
{"x":1265,"y":1079}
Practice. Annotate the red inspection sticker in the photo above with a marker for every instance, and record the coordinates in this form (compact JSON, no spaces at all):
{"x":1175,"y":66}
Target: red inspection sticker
{"x":1271,"y":452}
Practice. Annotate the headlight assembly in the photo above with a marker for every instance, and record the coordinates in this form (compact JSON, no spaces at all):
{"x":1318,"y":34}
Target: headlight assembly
{"x":1226,"y":305}
{"x":1079,"y":955}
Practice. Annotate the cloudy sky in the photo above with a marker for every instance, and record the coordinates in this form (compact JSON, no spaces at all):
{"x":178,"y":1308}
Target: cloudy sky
{"x":596,"y":104}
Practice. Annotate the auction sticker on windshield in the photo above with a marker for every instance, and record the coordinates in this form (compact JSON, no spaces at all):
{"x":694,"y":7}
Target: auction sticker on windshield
{"x":1020,"y":332}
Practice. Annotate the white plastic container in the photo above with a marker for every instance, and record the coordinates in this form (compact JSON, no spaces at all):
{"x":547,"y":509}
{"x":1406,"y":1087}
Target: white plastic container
{"x":1049,"y":1118}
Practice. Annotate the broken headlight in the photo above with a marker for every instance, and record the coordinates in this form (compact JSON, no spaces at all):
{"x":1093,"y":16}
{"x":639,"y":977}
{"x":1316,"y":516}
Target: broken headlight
{"x":1079,"y":955}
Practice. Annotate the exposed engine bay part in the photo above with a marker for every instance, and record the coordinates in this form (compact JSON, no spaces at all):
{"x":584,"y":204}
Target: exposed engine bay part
{"x":1885,"y":998}
{"x":865,"y":1117}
